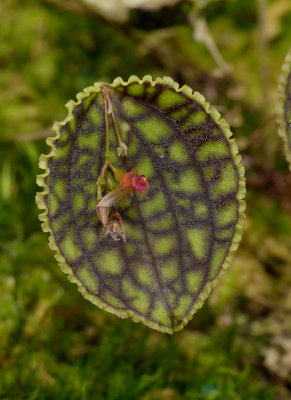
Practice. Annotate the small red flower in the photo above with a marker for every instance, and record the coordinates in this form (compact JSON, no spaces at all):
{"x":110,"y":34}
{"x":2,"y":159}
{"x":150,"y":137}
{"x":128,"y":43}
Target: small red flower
{"x":139,"y":183}
{"x":128,"y":184}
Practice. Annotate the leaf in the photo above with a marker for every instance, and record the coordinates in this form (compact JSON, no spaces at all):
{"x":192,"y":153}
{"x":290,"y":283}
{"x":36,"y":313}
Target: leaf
{"x":284,"y":106}
{"x":181,"y":240}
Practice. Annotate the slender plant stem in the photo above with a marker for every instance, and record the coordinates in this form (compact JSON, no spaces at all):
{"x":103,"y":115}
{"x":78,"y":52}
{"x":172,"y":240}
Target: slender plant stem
{"x":121,"y":149}
{"x":101,"y":178}
{"x":116,"y":129}
{"x":201,"y":33}
{"x":106,"y":112}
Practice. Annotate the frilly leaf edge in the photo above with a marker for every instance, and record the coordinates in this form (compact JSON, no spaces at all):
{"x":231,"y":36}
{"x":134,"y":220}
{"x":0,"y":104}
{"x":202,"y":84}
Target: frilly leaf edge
{"x":285,"y":71}
{"x":40,"y":196}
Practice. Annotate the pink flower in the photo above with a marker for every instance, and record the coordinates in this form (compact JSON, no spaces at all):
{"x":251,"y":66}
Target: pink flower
{"x":128,"y":184}
{"x":139,"y":183}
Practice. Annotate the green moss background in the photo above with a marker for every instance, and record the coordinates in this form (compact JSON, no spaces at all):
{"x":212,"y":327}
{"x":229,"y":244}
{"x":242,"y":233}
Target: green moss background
{"x":53,"y":343}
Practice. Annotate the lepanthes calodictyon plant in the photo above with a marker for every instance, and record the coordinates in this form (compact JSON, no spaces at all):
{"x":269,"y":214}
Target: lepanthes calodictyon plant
{"x":143,"y":198}
{"x":284,"y":106}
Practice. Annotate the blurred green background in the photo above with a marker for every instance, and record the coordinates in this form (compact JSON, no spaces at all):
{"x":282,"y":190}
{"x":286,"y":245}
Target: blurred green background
{"x":53,"y":343}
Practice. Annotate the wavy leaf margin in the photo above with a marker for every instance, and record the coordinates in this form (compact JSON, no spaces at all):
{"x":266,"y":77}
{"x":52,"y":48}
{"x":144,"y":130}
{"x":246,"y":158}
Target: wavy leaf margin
{"x":40,"y":196}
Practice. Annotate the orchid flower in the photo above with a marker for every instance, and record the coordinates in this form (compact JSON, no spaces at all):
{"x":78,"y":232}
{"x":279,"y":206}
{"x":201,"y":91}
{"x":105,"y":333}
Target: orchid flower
{"x":139,"y":183}
{"x":128,"y":184}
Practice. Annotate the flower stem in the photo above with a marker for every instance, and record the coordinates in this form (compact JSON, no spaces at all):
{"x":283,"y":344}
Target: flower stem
{"x":103,"y":178}
{"x":122,"y":148}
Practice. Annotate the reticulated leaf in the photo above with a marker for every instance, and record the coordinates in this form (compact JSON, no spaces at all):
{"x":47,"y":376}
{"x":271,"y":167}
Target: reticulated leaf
{"x":180,"y":240}
{"x":284,"y":106}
